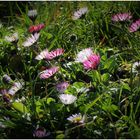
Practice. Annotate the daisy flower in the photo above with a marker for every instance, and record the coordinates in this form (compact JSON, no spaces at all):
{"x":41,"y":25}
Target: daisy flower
{"x":76,"y":118}
{"x":48,"y":72}
{"x":136,"y":67}
{"x":121,"y":17}
{"x":7,"y":78}
{"x":16,"y":87}
{"x":92,"y":62}
{"x":6,"y":96}
{"x":40,"y":132}
{"x":42,"y":55}
{"x":12,"y":38}
{"x":67,"y":98}
{"x":134,"y":26}
{"x":78,"y":14}
{"x":83,"y":55}
{"x":54,"y":53}
{"x":32,"y":14}
{"x":36,"y":28}
{"x":31,"y":40}
{"x":50,"y":55}
{"x":61,"y":87}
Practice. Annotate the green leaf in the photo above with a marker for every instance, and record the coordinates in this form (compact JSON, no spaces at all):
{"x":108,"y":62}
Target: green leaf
{"x":80,"y":87}
{"x":49,"y":35}
{"x":95,"y":76}
{"x":19,"y":107}
{"x":61,"y":136}
{"x":126,"y":86}
{"x":110,"y":64}
{"x":70,"y":90}
{"x":105,"y":77}
{"x":49,"y":100}
{"x":78,"y":84}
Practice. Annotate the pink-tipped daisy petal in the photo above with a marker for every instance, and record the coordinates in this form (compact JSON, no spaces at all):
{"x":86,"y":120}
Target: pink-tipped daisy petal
{"x":54,"y":54}
{"x":48,"y":72}
{"x":61,"y":87}
{"x":134,"y":26}
{"x":79,"y":13}
{"x":92,"y":62}
{"x":121,"y":17}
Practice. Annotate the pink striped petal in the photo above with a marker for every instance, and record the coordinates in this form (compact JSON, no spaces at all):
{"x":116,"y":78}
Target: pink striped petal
{"x":92,"y":62}
{"x":48,"y":72}
{"x":54,"y":54}
{"x":121,"y":17}
{"x":134,"y":26}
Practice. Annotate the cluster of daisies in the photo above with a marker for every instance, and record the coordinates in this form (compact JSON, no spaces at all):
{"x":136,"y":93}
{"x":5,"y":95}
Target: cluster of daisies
{"x":86,"y":57}
{"x":89,"y":59}
{"x":126,"y":17}
{"x":33,"y":29}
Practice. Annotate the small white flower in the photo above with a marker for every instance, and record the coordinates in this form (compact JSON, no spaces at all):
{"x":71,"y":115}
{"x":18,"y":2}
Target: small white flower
{"x":136,"y":67}
{"x":83,"y":55}
{"x":31,"y":40}
{"x":7,"y":78}
{"x":79,"y":13}
{"x":12,"y":38}
{"x":42,"y":55}
{"x":67,"y":98}
{"x":77,"y":118}
{"x":32,"y":13}
{"x":16,"y":87}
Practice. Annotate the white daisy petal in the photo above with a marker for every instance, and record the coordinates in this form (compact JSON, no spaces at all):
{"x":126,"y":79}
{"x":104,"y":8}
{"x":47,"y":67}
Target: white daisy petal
{"x":32,"y":13}
{"x":7,"y":78}
{"x":79,"y":13}
{"x":76,"y":118}
{"x":42,"y":55}
{"x":67,"y":98}
{"x":12,"y":38}
{"x":31,"y":40}
{"x":16,"y":87}
{"x":136,"y":67}
{"x":83,"y":55}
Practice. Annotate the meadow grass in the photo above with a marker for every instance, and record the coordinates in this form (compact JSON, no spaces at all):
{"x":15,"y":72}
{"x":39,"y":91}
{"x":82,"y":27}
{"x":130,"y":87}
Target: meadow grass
{"x":107,"y":96}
